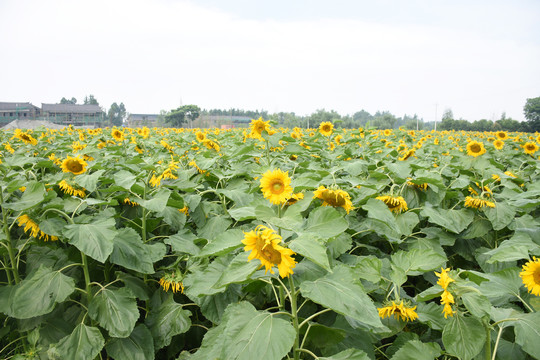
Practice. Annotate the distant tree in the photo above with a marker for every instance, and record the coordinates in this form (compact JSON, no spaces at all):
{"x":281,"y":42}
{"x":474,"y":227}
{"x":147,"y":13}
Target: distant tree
{"x":66,"y":101}
{"x":182,"y":114}
{"x":322,"y":115}
{"x":191,"y":112}
{"x":532,"y":114}
{"x":90,"y":100}
{"x":384,"y":120}
{"x":116,"y":114}
{"x":362,"y":117}
{"x":448,"y":114}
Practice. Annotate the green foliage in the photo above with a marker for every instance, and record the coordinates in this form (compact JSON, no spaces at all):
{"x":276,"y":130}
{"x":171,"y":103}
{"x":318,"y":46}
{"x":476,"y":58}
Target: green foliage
{"x":532,"y":113}
{"x":182,"y":114}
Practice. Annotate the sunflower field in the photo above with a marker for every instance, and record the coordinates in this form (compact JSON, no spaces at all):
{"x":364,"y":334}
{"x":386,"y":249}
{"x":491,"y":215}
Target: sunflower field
{"x":269,"y":243}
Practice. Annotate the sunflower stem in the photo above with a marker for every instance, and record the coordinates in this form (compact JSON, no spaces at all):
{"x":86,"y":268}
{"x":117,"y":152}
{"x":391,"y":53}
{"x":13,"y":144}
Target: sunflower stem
{"x":86,"y":278}
{"x":294,"y":313}
{"x":488,"y":342}
{"x":497,"y":342}
{"x":11,"y":254}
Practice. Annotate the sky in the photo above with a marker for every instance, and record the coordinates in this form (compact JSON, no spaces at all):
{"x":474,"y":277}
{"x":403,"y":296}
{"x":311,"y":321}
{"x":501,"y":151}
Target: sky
{"x":478,"y":58}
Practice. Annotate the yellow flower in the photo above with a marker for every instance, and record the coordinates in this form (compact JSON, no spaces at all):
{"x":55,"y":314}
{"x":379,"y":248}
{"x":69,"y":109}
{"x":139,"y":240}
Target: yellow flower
{"x":276,"y":186}
{"x":25,"y":137}
{"x":498,"y":144}
{"x":326,"y":128}
{"x":396,"y":204}
{"x":447,"y":311}
{"x":475,"y":148}
{"x":294,"y":198}
{"x":444,"y":279}
{"x":131,"y":203}
{"x":258,"y":126}
{"x":200,"y":136}
{"x":31,"y":225}
{"x":144,"y":132}
{"x":211,"y":144}
{"x":155,"y":181}
{"x":117,"y":135}
{"x":530,"y":148}
{"x":8,"y":147}
{"x":166,"y":145}
{"x":387,"y":132}
{"x":400,"y":311}
{"x":531,"y":276}
{"x":70,"y":190}
{"x":501,"y":135}
{"x":184,"y":210}
{"x":172,"y":281}
{"x":334,"y":197}
{"x":477,"y":203}
{"x":405,"y":154}
{"x":509,"y":173}
{"x":264,"y":245}
{"x":76,"y":165}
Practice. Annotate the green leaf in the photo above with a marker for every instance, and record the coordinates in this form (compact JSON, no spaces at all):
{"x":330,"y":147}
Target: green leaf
{"x":214,"y":226}
{"x":418,"y":261}
{"x":167,"y":319}
{"x":243,"y":213}
{"x":527,"y":331}
{"x":406,"y":222}
{"x":125,"y":179}
{"x":223,"y":243}
{"x":501,"y":215}
{"x":417,"y":350}
{"x":158,"y":201}
{"x":87,"y":181}
{"x":84,"y":343}
{"x":477,"y":304}
{"x":369,"y":268}
{"x":94,"y":239}
{"x":213,"y":306}
{"x":183,"y":242}
{"x":239,"y":270}
{"x":130,"y":252}
{"x":349,"y":354}
{"x":49,"y":286}
{"x":138,"y":346}
{"x":114,"y":310}
{"x":325,"y":222}
{"x":341,"y":292}
{"x":244,"y":333}
{"x":33,"y":195}
{"x":311,"y":247}
{"x":501,"y":286}
{"x":515,"y":248}
{"x":202,"y":281}
{"x":464,"y":337}
{"x":453,"y":220}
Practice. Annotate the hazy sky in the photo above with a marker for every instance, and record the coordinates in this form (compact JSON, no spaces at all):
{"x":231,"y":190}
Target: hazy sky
{"x":480,"y":58}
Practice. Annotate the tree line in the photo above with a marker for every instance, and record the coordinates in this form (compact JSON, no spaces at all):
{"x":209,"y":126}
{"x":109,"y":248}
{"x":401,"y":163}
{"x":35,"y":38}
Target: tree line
{"x":116,"y":114}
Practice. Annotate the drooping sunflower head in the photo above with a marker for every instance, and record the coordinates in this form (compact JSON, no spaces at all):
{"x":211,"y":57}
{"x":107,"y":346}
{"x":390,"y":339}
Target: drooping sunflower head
{"x":276,"y":186}
{"x":475,"y":148}
{"x":502,"y":135}
{"x":444,"y":278}
{"x":263,"y":243}
{"x":396,"y":204}
{"x":478,"y":202}
{"x":334,"y":197}
{"x":498,"y":144}
{"x":294,"y":198}
{"x":258,"y":126}
{"x":530,"y":148}
{"x":530,"y":275}
{"x":172,"y":281}
{"x":405,"y":154}
{"x":25,"y":137}
{"x":117,"y":135}
{"x":74,"y":165}
{"x":401,"y":311}
{"x":326,"y":128}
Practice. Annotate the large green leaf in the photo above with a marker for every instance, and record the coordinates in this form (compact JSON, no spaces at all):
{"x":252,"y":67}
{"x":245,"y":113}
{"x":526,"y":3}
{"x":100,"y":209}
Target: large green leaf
{"x":114,"y":310}
{"x":418,"y":261}
{"x":158,"y":202}
{"x":527,"y":331}
{"x":417,"y":350}
{"x":125,"y":179}
{"x":311,"y":247}
{"x":223,"y":243}
{"x":130,"y":252}
{"x":33,"y":195}
{"x":238,"y":270}
{"x":167,"y":319}
{"x":89,"y":181}
{"x":464,"y":337}
{"x":325,"y":222}
{"x":214,"y":226}
{"x":183,"y":242}
{"x":515,"y":248}
{"x":84,"y":343}
{"x":245,"y":333}
{"x":501,"y":215}
{"x":501,"y":286}
{"x":49,"y":286}
{"x":453,"y":220}
{"x":138,"y":346}
{"x":341,"y":292}
{"x":202,"y":281}
{"x":349,"y":354}
{"x":94,"y":239}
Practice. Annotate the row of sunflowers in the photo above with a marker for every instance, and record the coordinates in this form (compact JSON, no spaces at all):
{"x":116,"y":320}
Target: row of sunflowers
{"x":269,"y":243}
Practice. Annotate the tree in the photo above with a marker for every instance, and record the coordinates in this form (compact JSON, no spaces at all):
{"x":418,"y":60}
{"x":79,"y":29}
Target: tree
{"x":191,"y":112}
{"x":116,"y":114}
{"x":447,"y":114}
{"x":532,"y":113}
{"x":66,"y":101}
{"x":90,"y":100}
{"x":180,"y":115}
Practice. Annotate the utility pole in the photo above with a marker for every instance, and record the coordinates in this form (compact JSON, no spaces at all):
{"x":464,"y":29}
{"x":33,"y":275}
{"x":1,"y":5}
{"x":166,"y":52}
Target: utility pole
{"x":436,"y":116}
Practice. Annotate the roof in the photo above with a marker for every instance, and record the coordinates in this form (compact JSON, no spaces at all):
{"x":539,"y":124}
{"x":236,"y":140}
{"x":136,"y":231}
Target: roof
{"x":143,"y":116}
{"x":71,"y":108}
{"x":16,"y":106}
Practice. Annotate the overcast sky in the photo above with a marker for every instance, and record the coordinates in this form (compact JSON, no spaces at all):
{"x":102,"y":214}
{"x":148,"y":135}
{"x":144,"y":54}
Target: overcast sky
{"x":479,"y":58}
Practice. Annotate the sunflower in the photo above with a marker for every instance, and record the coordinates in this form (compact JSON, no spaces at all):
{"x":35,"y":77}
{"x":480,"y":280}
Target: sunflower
{"x":24,"y":137}
{"x":334,"y":197}
{"x":70,"y":190}
{"x":211,"y":144}
{"x":405,"y":154}
{"x":498,"y":144}
{"x":172,"y":281}
{"x":264,"y":245}
{"x":477,"y":203}
{"x":144,"y":132}
{"x":184,"y":210}
{"x":294,"y":198}
{"x":75,"y":165}
{"x":200,"y":136}
{"x":130,"y":202}
{"x":117,"y":135}
{"x":444,"y":279}
{"x":509,"y":173}
{"x":35,"y":231}
{"x":530,"y":148}
{"x":475,"y":148}
{"x":276,"y":186}
{"x":326,"y":128}
{"x":400,"y":311}
{"x":502,"y":135}
{"x":257,"y":128}
{"x":396,"y":204}
{"x":531,"y":276}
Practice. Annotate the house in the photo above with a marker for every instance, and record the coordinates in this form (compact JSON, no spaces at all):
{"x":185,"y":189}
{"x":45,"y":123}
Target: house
{"x":72,"y":114}
{"x":10,"y":111}
{"x":140,"y":120}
